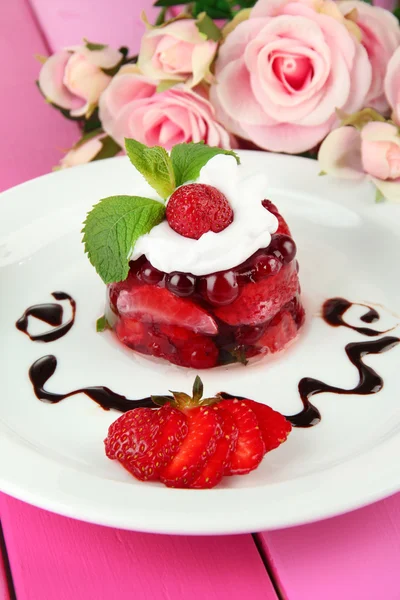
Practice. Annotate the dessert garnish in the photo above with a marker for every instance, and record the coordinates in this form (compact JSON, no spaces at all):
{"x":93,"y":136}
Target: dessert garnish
{"x":208,"y":280}
{"x":50,"y":313}
{"x":114,"y":225}
{"x":192,"y":442}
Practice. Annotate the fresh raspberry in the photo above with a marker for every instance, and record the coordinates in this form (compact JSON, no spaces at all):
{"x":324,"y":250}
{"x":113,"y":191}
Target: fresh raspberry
{"x":144,"y":440}
{"x":273,"y":426}
{"x":194,"y":209}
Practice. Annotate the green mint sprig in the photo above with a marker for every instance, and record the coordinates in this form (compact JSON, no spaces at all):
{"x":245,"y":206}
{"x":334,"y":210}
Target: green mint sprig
{"x":114,"y":225}
{"x":166,"y":172}
{"x":112,"y":228}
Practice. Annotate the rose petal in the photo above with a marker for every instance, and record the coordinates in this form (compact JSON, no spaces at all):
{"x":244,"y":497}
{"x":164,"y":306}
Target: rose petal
{"x":52,"y":85}
{"x":340,"y":154}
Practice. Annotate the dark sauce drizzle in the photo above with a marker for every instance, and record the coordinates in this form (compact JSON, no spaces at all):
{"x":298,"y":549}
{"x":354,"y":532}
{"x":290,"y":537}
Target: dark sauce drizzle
{"x":50,"y":313}
{"x":334,"y":309}
{"x":41,"y":371}
{"x":332,"y":312}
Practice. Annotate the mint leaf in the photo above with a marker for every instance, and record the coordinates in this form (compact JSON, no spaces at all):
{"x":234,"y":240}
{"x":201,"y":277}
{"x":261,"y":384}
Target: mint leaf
{"x":206,"y":26}
{"x":112,"y":228}
{"x":189,"y":159}
{"x":154,"y":164}
{"x":102,"y":324}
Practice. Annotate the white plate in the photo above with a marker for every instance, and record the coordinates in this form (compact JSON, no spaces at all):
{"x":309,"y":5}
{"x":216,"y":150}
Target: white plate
{"x":52,"y":455}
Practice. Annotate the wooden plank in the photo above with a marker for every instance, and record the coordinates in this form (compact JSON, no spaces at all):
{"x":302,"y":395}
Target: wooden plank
{"x":352,"y":557}
{"x":56,"y":558}
{"x":4,"y":587}
{"x":32,"y":135}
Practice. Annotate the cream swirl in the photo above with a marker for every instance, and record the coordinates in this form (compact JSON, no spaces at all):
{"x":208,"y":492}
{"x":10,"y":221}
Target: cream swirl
{"x":250,"y":230}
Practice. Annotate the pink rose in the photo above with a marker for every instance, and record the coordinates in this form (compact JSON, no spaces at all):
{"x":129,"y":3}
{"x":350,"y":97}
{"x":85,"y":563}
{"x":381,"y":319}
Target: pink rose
{"x":392,"y":85}
{"x":282,"y":74}
{"x":127,"y":86}
{"x":96,"y":147}
{"x":73,"y":78}
{"x":373,"y":152}
{"x":131,"y":108}
{"x":177,"y":51}
{"x":380,"y":37}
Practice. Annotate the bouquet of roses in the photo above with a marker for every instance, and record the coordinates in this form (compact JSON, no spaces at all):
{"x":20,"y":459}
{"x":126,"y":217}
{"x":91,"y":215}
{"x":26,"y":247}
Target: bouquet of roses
{"x":314,"y":77}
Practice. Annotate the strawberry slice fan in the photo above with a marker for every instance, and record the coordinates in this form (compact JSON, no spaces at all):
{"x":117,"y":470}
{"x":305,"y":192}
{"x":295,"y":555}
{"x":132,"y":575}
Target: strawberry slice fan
{"x":202,"y":274}
{"x":192,"y":442}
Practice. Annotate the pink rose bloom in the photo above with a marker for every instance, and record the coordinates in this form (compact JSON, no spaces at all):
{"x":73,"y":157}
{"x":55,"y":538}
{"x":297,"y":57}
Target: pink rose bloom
{"x":73,"y":78}
{"x":177,"y":52}
{"x":131,"y":108}
{"x":282,"y":74}
{"x":373,"y":153}
{"x":380,"y":37}
{"x":392,"y":85}
{"x":94,"y":148}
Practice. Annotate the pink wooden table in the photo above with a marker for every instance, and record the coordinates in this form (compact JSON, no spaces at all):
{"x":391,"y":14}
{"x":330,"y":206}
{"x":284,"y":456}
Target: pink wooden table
{"x":47,"y":557}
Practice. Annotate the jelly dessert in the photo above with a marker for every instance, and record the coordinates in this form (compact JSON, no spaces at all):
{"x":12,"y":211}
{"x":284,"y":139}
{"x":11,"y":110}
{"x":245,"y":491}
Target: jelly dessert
{"x":215,"y":279}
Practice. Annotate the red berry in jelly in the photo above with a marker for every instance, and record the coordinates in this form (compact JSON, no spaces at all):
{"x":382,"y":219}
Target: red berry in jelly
{"x":181,"y":284}
{"x":221,"y":288}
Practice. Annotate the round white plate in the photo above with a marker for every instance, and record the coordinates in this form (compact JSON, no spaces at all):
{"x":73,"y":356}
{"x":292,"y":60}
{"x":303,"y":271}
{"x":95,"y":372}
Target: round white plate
{"x":52,"y":454}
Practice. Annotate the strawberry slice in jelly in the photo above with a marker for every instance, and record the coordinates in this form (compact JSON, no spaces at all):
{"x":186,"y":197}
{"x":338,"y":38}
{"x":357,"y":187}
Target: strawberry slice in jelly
{"x":152,"y":304}
{"x":261,"y":301}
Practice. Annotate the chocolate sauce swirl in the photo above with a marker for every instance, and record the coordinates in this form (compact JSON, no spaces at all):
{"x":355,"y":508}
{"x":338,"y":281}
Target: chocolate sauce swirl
{"x":369,"y":380}
{"x":41,"y":371}
{"x":50,"y":313}
{"x":334,"y":309}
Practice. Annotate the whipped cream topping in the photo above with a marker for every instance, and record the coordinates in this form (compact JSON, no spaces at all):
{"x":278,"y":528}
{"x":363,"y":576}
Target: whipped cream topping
{"x":250,"y":230}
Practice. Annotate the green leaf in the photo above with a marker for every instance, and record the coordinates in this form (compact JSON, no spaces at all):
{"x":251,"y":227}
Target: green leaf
{"x":379,"y":197}
{"x":161,"y":400}
{"x":166,"y":84}
{"x":161,"y":16}
{"x":94,"y":47}
{"x":396,"y":12}
{"x":109,"y":148}
{"x":112,"y":228}
{"x":216,"y":9}
{"x":102,"y":324}
{"x":197,"y":389}
{"x":207,"y":26}
{"x":154,"y":164}
{"x":359,"y":119}
{"x":322,"y":173}
{"x":189,"y":159}
{"x":169,"y":3}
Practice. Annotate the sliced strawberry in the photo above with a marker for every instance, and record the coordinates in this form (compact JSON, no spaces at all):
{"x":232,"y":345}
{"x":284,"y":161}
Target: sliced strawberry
{"x":273,"y":426}
{"x":261,"y":301}
{"x":158,"y":305}
{"x":130,"y":331}
{"x":279,"y":332}
{"x":205,"y":429}
{"x":250,"y":446}
{"x":283,"y":227}
{"x":144,"y":440}
{"x":220,"y":461}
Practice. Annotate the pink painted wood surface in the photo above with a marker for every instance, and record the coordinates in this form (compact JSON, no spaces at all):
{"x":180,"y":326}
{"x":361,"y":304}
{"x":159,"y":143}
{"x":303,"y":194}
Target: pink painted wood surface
{"x":55,"y":558}
{"x":351,"y":557}
{"x":32,"y":135}
{"x":4,"y":595}
{"x":114,"y":22}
